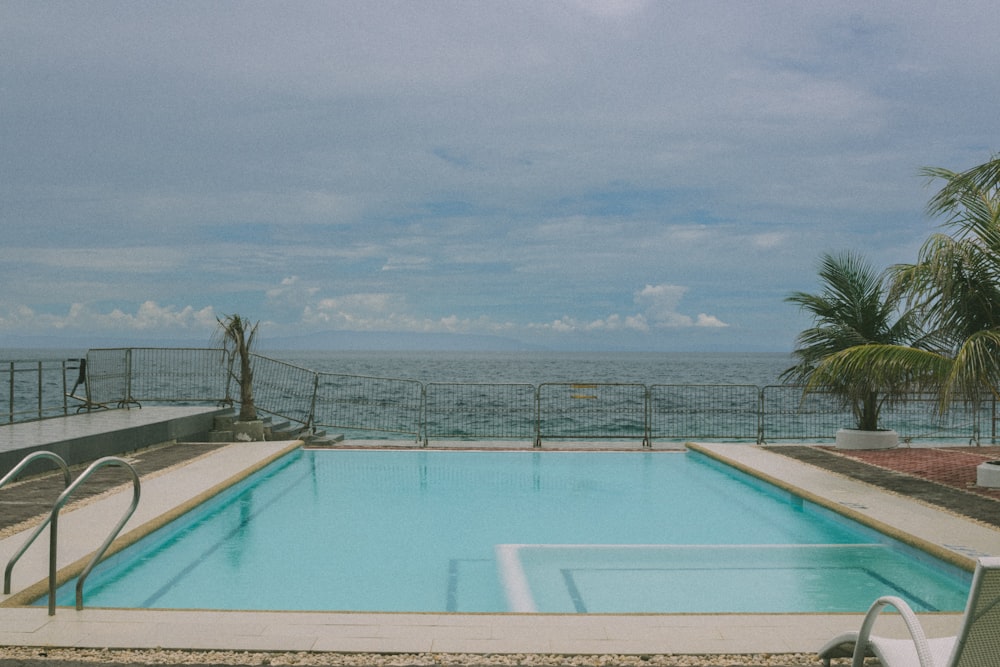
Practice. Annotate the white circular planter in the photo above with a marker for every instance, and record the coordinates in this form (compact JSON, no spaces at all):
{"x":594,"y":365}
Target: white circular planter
{"x":851,"y":438}
{"x":988,"y":474}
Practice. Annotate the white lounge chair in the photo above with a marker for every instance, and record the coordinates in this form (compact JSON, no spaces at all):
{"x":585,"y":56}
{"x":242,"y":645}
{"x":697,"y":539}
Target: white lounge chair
{"x":976,"y":645}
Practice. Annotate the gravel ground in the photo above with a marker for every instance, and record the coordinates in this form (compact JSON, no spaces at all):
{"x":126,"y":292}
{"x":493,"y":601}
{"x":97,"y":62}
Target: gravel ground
{"x":37,"y":657}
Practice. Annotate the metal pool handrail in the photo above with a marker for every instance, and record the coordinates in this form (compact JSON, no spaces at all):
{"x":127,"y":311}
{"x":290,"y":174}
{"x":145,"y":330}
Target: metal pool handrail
{"x":25,"y":462}
{"x":54,"y":521}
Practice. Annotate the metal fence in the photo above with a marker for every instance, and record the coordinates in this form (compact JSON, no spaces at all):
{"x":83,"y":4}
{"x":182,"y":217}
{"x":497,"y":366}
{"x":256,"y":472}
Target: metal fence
{"x":283,"y":389}
{"x":128,"y":376}
{"x":712,"y":411}
{"x":363,"y":403}
{"x":592,"y":410}
{"x":786,"y":413}
{"x":37,"y":389}
{"x":482,"y":411}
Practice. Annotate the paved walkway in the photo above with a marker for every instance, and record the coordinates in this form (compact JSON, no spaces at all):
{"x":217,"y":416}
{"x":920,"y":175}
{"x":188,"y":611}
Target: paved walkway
{"x":941,"y":476}
{"x":28,"y":501}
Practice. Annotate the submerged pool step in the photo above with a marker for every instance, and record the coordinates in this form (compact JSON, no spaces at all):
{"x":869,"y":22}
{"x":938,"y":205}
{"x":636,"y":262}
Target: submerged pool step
{"x":671,"y":578}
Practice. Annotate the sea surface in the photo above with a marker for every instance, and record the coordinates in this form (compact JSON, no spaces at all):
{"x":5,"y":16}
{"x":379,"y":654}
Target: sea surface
{"x":754,"y":368}
{"x":532,"y":367}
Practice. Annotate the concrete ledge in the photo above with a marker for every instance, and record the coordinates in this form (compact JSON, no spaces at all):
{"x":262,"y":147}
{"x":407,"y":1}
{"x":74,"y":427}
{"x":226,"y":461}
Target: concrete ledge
{"x":85,"y":437}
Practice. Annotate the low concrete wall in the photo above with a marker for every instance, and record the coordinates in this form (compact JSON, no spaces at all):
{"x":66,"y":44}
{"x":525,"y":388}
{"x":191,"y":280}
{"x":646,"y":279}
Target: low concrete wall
{"x":192,"y":427}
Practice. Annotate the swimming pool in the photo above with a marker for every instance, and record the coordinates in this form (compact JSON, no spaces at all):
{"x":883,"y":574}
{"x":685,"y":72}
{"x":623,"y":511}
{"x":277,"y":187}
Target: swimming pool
{"x":546,"y":531}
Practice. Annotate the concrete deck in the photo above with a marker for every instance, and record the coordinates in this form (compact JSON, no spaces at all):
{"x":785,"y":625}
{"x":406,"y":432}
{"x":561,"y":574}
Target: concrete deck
{"x":167,"y":493}
{"x":90,"y":435}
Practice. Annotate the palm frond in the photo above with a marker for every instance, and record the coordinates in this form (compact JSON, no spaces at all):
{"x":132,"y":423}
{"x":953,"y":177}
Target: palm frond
{"x":984,"y":178}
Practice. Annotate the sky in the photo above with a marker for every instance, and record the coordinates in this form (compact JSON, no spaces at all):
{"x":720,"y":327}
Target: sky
{"x":561,"y":174}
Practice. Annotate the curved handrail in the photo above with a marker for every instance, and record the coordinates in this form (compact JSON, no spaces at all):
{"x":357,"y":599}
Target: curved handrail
{"x":54,"y":521}
{"x":30,"y":458}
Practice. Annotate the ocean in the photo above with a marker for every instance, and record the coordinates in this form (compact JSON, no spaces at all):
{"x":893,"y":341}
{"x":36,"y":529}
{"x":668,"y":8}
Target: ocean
{"x":753,"y":368}
{"x":532,"y":367}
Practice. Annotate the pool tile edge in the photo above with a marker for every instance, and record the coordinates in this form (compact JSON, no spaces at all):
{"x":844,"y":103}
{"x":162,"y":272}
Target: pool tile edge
{"x":949,"y":537}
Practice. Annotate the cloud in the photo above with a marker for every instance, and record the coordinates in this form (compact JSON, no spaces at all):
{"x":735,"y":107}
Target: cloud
{"x":149,"y":317}
{"x":522,"y":167}
{"x":710,"y":321}
{"x":365,"y":312}
{"x":660,"y":303}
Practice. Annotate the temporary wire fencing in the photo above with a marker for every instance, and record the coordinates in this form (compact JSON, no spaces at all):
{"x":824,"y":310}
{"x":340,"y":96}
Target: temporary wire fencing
{"x":592,"y":410}
{"x":282,"y":389}
{"x":368,"y":403}
{"x":712,"y":411}
{"x":36,"y":389}
{"x":123,"y":377}
{"x":479,"y":411}
{"x":127,"y":376}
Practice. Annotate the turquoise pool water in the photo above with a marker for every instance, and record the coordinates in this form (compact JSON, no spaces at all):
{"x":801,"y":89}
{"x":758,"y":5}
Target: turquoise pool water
{"x":585,"y":532}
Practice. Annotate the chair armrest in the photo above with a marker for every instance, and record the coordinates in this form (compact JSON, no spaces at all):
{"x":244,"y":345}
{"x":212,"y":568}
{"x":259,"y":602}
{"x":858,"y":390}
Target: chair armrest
{"x":912,"y":625}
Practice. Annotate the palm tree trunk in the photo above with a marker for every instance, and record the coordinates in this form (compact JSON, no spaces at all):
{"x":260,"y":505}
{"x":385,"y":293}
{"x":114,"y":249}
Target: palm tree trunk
{"x":869,"y":412}
{"x":248,"y":411}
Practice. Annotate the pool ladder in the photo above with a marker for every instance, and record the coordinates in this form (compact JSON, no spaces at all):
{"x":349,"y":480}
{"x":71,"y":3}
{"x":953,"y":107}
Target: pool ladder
{"x":53,"y":520}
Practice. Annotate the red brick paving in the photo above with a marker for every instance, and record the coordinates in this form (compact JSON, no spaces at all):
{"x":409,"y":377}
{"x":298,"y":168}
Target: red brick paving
{"x":951,"y":466}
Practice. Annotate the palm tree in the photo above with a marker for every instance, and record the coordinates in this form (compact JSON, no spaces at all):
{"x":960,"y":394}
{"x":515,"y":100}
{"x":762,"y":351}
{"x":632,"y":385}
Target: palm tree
{"x":955,"y":282}
{"x":237,"y":336}
{"x":855,"y":309}
{"x":954,"y":289}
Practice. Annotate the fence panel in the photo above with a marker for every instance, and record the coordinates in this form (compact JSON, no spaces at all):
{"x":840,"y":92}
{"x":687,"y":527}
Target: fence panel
{"x":592,"y":410}
{"x":178,"y":374}
{"x":282,"y":389}
{"x":35,"y":389}
{"x":704,"y":411}
{"x":461,"y":410}
{"x":918,"y":417}
{"x":108,"y":374}
{"x":368,"y":403}
{"x":788,"y":414}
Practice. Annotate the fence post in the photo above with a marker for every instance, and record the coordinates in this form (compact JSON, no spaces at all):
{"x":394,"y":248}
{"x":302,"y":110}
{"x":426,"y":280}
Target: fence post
{"x":312,"y":405}
{"x":64,"y":392}
{"x":538,"y":416}
{"x":993,"y":421}
{"x":422,"y":417}
{"x":11,"y":393}
{"x":760,"y":416}
{"x":40,"y":383}
{"x":128,"y":376}
{"x":647,"y":438}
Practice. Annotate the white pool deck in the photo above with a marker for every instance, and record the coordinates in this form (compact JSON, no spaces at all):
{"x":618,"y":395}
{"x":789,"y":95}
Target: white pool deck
{"x":81,"y":530}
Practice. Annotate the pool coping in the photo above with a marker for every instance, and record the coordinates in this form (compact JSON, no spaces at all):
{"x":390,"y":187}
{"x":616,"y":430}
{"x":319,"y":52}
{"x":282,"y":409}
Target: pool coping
{"x":171,"y":493}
